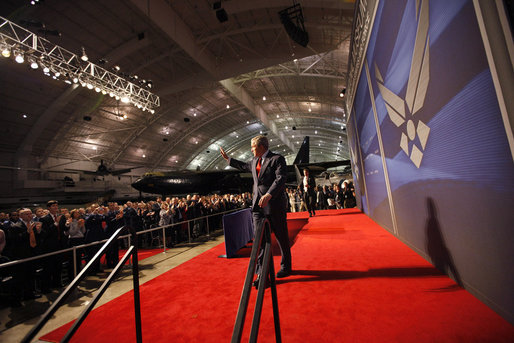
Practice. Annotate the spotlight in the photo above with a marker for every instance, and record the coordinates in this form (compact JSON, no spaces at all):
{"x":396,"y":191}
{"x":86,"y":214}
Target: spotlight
{"x":46,"y":70}
{"x":116,"y":68}
{"x":125,"y":100}
{"x":84,"y":56}
{"x":33,"y":64}
{"x":19,"y":57}
{"x":6,"y":52}
{"x":149,"y":83}
{"x":343,"y":92}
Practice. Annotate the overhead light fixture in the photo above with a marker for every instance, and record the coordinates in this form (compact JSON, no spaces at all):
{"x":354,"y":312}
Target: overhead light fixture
{"x":264,"y":98}
{"x":19,"y":57}
{"x":33,"y":64}
{"x":84,"y":56}
{"x":343,"y":92}
{"x":6,"y":52}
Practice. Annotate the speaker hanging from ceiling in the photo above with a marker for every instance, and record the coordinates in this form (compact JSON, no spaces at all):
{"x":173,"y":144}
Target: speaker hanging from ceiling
{"x":221,"y":14}
{"x":292,"y":19}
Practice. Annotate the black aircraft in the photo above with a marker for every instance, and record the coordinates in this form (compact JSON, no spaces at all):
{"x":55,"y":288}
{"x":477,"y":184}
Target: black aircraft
{"x":102,"y":170}
{"x":226,"y":181}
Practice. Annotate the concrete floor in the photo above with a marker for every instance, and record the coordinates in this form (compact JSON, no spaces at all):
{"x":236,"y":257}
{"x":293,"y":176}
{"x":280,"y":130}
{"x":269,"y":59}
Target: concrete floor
{"x":16,"y":322}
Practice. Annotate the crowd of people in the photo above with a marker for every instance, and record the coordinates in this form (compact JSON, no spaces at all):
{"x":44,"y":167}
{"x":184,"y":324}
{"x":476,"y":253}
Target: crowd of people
{"x":324,"y":197}
{"x":26,"y":233}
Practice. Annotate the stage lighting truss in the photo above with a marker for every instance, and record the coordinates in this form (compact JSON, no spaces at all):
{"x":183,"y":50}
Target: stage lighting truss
{"x":62,"y":64}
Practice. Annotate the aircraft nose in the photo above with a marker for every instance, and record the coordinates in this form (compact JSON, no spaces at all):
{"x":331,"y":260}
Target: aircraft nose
{"x":138,"y":184}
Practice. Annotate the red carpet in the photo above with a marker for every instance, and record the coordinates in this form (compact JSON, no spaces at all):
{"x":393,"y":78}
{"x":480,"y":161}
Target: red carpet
{"x":352,"y":282}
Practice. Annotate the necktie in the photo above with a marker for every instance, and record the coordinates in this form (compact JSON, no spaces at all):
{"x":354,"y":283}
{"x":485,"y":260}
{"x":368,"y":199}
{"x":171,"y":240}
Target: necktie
{"x":258,"y":167}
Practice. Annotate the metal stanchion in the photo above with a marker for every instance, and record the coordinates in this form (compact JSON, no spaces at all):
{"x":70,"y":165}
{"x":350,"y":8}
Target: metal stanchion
{"x":135,"y":278}
{"x":268,"y":271}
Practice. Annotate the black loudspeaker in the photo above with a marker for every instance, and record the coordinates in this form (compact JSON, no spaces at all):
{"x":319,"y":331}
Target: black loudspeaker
{"x":296,"y":33}
{"x":221,"y":15}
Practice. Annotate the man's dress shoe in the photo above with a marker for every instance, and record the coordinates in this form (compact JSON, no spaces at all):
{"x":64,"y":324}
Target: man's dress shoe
{"x":283,"y":273}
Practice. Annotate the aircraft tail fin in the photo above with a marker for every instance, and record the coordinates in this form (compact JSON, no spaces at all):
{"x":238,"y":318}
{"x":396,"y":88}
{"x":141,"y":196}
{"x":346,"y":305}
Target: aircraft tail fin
{"x":303,"y":154}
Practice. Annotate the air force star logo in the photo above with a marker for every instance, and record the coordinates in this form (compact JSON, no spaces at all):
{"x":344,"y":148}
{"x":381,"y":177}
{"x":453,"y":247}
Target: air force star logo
{"x":402,"y":112}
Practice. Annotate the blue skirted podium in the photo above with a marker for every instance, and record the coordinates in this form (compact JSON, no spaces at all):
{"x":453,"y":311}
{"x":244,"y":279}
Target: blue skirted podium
{"x":238,"y":231}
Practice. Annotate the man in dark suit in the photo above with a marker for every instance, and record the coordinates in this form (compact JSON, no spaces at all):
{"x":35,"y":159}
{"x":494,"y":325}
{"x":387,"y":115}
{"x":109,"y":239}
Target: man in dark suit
{"x":52,"y":232}
{"x":269,"y":197}
{"x":309,"y":194}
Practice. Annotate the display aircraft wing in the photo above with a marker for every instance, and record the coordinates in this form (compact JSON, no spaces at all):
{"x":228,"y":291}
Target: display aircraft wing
{"x":102,"y":170}
{"x":226,"y":181}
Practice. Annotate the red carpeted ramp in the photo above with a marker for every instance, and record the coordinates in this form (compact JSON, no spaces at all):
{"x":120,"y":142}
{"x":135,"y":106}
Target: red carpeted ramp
{"x":353,"y":282}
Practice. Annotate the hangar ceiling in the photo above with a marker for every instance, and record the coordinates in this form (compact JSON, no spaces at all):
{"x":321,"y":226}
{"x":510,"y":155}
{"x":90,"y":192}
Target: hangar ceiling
{"x":219,"y":83}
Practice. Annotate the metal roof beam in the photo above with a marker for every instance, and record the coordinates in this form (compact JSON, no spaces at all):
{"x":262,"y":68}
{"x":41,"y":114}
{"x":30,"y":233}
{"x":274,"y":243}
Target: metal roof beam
{"x":244,"y":98}
{"x":164,"y":17}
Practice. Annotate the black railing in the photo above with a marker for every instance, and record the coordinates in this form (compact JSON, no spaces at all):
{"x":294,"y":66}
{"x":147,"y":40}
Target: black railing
{"x":267,"y":273}
{"x":132,"y":251}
